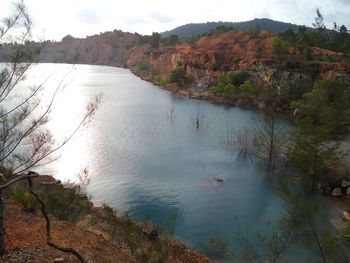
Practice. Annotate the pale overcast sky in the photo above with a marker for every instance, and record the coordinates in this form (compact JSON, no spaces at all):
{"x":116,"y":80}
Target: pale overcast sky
{"x":57,"y":18}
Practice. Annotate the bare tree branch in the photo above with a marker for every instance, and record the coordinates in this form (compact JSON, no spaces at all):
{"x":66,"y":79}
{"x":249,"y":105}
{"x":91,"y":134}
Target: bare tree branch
{"x":92,"y":109}
{"x":17,"y":179}
{"x":10,"y":22}
{"x":48,"y":227}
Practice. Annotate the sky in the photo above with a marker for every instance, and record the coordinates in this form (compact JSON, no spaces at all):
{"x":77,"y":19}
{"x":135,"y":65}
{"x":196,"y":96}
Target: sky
{"x":54,"y":19}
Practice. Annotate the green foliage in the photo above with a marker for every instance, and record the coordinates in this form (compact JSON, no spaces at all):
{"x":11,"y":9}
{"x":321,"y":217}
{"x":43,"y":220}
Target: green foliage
{"x":299,"y":226}
{"x":170,"y":40}
{"x":20,"y":194}
{"x":153,"y":40}
{"x":337,"y":39}
{"x":289,"y":36}
{"x":189,"y":40}
{"x":270,"y":140}
{"x":340,"y":39}
{"x":280,"y":46}
{"x":142,"y":67}
{"x":220,"y":30}
{"x":233,"y":83}
{"x":319,"y":24}
{"x":177,"y":75}
{"x":69,"y":201}
{"x":161,"y":80}
{"x":325,"y":109}
{"x":142,"y":239}
{"x":195,"y":29}
{"x":323,"y":116}
{"x":314,"y":158}
{"x":238,"y":77}
{"x":223,"y":85}
{"x":248,"y":88}
{"x":229,"y":88}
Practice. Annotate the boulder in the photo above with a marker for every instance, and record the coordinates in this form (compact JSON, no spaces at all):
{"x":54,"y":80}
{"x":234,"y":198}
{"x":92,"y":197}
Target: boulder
{"x":346,"y":215}
{"x":336,"y":192}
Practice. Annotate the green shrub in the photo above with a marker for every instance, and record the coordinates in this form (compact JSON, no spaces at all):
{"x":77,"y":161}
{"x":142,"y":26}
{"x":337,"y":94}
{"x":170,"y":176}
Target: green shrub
{"x":227,"y":83}
{"x":238,"y":77}
{"x":161,"y":80}
{"x":170,"y":40}
{"x":177,"y":75}
{"x":280,"y":46}
{"x":248,"y":88}
{"x":21,"y":195}
{"x":215,"y":89}
{"x":67,"y":203}
{"x":142,"y":67}
{"x":229,"y":89}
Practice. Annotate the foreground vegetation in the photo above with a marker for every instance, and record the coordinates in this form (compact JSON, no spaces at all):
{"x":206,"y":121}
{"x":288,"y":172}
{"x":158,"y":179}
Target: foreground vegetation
{"x":142,"y":241}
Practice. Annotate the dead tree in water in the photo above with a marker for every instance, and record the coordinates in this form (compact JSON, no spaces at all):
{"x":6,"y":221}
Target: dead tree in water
{"x":171,"y":113}
{"x":199,"y":116}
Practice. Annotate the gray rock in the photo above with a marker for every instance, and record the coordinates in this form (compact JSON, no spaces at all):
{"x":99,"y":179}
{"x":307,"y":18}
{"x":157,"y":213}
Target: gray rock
{"x":336,"y":192}
{"x":59,"y":260}
{"x":219,"y":180}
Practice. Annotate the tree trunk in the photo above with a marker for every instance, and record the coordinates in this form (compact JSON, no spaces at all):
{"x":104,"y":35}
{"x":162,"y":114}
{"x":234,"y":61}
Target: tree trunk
{"x":2,"y":230}
{"x":271,"y":164}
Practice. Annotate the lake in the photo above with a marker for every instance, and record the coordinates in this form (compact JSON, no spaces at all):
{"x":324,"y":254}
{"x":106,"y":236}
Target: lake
{"x":147,"y":158}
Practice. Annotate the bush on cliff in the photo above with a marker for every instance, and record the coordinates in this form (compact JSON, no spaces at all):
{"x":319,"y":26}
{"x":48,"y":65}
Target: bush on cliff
{"x":170,"y":40}
{"x":238,"y":77}
{"x":280,"y":46}
{"x":325,"y":110}
{"x":178,"y":75}
{"x":233,"y":83}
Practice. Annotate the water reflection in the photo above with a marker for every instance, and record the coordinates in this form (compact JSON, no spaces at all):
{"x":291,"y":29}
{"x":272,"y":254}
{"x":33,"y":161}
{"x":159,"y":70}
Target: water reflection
{"x":149,"y":166}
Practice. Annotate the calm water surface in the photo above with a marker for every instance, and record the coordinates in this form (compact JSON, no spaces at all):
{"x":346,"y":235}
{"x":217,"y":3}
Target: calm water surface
{"x":153,"y":167}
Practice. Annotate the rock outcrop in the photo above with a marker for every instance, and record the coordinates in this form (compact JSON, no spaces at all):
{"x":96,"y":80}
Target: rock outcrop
{"x":203,"y":60}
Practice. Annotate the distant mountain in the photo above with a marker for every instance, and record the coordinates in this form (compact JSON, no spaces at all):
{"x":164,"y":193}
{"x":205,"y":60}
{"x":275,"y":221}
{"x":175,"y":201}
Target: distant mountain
{"x":191,"y":30}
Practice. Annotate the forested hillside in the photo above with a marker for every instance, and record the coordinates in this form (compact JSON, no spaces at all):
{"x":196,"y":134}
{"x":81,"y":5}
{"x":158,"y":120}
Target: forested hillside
{"x":194,"y":29}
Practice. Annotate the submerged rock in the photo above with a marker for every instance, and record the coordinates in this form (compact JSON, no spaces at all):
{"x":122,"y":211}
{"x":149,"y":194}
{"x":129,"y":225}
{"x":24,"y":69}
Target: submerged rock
{"x":219,"y":180}
{"x":337,"y":192}
{"x":216,"y":181}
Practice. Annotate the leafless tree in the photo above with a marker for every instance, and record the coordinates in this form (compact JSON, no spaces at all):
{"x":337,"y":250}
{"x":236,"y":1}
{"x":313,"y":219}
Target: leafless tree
{"x":198,"y":121}
{"x":25,"y":142}
{"x":171,"y":112}
{"x":270,"y":140}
